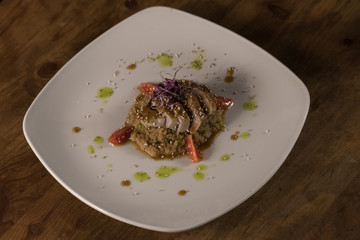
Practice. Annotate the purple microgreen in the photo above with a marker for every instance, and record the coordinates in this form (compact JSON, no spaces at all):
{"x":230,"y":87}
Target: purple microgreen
{"x":168,"y":91}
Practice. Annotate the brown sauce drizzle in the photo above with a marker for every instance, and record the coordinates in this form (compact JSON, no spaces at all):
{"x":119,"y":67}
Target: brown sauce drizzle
{"x":229,"y":75}
{"x":182,"y":192}
{"x":125,"y":183}
{"x":76,"y":129}
{"x":235,"y":136}
{"x":131,"y":66}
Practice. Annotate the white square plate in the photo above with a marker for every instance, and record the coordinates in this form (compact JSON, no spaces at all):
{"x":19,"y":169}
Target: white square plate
{"x":70,"y":99}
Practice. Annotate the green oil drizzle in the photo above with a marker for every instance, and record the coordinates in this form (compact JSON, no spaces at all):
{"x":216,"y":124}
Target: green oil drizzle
{"x":141,"y":176}
{"x":201,"y":167}
{"x":90,"y":149}
{"x":164,"y":60}
{"x":197,"y":62}
{"x":109,"y":165}
{"x":198,"y":176}
{"x":165,"y":171}
{"x":105,"y":92}
{"x":225,"y":157}
{"x":250,"y":105}
{"x":245,"y":135}
{"x":98,"y":140}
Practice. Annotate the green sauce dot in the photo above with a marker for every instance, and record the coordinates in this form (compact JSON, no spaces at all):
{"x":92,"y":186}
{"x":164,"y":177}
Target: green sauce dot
{"x":198,"y":175}
{"x":105,"y":92}
{"x":164,"y":60}
{"x":201,"y":167}
{"x":245,"y":135}
{"x":109,"y":165}
{"x":197,"y":62}
{"x":250,"y":105}
{"x":141,"y":176}
{"x":165,"y":171}
{"x":98,"y":140}
{"x":225,"y":157}
{"x":90,"y":149}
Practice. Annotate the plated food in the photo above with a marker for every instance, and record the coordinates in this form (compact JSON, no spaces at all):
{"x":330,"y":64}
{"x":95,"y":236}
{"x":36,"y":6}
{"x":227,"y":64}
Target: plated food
{"x":96,"y":87}
{"x":173,"y":118}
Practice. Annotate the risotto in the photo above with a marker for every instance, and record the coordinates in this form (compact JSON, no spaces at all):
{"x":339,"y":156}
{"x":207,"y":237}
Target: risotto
{"x":173,"y":118}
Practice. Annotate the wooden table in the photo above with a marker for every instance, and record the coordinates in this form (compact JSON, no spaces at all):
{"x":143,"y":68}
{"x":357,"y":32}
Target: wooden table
{"x":314,"y":195}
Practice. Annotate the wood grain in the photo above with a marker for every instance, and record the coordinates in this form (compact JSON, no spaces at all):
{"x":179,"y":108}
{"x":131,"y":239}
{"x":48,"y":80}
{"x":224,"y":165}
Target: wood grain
{"x":314,"y":195}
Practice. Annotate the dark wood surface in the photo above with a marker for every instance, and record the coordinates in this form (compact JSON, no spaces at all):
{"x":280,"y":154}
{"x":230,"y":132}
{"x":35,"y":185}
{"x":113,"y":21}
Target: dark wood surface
{"x":314,"y":195}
